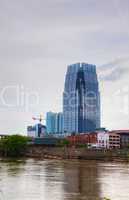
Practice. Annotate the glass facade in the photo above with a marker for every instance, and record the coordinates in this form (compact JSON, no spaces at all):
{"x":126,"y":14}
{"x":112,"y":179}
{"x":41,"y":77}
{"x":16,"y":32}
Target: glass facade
{"x":37,"y":130}
{"x":50,"y":122}
{"x":60,"y":123}
{"x":81,"y":99}
{"x":54,"y":123}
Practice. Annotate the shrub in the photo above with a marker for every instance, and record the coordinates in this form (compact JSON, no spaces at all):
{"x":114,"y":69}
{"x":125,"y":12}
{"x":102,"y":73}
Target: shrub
{"x":13,"y":146}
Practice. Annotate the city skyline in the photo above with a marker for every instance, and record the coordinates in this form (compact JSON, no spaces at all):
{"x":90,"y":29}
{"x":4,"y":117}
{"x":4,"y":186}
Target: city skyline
{"x":39,"y":39}
{"x":107,"y":76}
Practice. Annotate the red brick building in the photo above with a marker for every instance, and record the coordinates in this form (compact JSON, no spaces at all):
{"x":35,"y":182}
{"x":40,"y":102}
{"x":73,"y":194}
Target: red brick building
{"x":83,"y":139}
{"x":108,"y":140}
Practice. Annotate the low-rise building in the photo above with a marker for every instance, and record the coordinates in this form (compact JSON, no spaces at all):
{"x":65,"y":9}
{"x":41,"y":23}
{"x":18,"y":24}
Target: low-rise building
{"x":123,"y":137}
{"x":82,"y":139}
{"x":37,"y":130}
{"x":102,"y":139}
{"x":114,"y":140}
{"x":31,"y":131}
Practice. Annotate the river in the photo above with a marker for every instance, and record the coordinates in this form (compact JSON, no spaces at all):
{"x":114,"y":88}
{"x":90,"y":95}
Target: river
{"x":63,"y":180}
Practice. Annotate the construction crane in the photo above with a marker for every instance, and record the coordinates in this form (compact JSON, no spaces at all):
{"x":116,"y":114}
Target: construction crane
{"x":40,"y":118}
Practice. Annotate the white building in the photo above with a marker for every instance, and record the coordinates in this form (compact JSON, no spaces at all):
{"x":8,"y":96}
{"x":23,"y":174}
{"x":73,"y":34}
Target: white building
{"x":31,"y":131}
{"x":38,"y":130}
{"x":103,"y":139}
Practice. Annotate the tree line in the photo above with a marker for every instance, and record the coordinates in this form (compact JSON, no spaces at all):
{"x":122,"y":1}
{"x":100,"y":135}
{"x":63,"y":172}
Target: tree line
{"x":13,"y":146}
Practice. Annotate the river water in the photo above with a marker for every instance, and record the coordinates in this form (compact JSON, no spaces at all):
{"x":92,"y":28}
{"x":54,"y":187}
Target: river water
{"x":63,"y":180}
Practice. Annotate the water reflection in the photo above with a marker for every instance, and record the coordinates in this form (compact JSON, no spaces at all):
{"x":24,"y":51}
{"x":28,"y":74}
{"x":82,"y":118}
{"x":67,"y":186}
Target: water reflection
{"x":81,"y":180}
{"x":63,"y":180}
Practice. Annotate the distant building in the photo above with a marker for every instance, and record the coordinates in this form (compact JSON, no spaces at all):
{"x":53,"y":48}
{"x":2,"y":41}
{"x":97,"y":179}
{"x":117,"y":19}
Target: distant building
{"x":96,"y":139}
{"x":83,"y":139}
{"x":50,"y":122}
{"x":114,"y":140}
{"x":56,"y":120}
{"x":107,"y":139}
{"x":81,"y":99}
{"x":37,"y":130}
{"x":54,"y":123}
{"x":40,"y":130}
{"x":123,"y":137}
{"x":31,"y":131}
{"x":102,"y":139}
{"x":60,"y":123}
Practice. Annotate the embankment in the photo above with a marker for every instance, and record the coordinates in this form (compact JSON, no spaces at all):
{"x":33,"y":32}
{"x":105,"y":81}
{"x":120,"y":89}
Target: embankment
{"x":39,"y":151}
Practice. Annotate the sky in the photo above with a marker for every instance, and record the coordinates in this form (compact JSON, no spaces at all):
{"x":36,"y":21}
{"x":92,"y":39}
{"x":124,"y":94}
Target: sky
{"x":39,"y":38}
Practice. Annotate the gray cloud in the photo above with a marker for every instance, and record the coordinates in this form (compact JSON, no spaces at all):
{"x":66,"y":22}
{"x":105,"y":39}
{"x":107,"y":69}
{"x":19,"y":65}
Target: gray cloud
{"x":39,"y":38}
{"x":114,"y":71}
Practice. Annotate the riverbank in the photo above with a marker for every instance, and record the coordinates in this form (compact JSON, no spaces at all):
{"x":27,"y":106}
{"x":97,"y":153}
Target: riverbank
{"x":39,"y":151}
{"x":19,"y":146}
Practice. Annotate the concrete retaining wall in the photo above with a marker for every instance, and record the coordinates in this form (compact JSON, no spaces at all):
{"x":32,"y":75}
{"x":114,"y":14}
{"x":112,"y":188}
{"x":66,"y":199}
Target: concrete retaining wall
{"x":75,"y":153}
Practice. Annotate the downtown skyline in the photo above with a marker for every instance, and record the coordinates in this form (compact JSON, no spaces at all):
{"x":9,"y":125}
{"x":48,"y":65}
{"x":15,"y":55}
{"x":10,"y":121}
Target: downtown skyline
{"x":37,"y":44}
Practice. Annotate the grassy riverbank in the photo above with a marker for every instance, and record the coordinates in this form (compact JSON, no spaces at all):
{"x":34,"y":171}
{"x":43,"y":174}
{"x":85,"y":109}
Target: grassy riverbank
{"x":13,"y":146}
{"x":17,"y":146}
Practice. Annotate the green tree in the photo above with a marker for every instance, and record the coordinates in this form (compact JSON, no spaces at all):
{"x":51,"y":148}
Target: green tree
{"x":13,"y":146}
{"x":63,"y":142}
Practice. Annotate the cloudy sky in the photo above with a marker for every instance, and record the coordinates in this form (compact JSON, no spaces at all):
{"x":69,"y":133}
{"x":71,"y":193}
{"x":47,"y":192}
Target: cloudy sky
{"x":39,"y":38}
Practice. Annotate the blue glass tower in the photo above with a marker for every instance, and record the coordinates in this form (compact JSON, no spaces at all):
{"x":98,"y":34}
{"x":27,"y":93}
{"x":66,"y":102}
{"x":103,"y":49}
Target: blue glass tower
{"x":54,"y":123}
{"x":50,"y":122}
{"x":81,"y":99}
{"x":60,"y":123}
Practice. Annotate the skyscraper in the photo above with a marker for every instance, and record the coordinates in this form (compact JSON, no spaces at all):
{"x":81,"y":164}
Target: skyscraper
{"x":60,"y":123}
{"x":54,"y":123}
{"x":81,"y":99}
{"x":50,"y":122}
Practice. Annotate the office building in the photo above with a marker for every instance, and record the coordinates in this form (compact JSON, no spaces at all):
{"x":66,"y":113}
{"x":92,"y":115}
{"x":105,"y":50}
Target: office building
{"x":54,"y":123}
{"x":37,"y":130}
{"x":81,"y":99}
{"x":50,"y":122}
